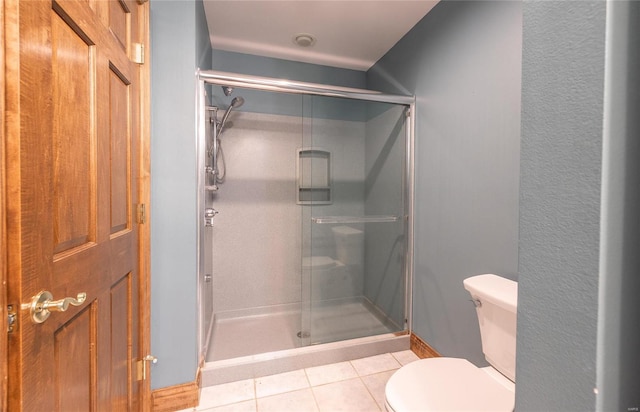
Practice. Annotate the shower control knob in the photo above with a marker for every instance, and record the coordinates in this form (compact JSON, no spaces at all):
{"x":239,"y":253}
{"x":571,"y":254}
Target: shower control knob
{"x":209,"y":214}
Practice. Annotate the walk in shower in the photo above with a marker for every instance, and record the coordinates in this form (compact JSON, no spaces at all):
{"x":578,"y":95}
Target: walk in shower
{"x":305,"y":195}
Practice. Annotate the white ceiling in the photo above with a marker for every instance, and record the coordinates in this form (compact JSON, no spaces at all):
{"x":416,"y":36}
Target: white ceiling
{"x":351,"y":34}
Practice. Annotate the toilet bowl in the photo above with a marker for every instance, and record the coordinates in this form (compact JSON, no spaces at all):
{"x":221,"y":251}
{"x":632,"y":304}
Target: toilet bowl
{"x":453,"y":384}
{"x":447,"y":384}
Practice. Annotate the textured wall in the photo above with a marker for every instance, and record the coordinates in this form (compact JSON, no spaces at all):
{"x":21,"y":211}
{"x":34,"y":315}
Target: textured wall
{"x":175,"y":28}
{"x":258,"y":235}
{"x":290,"y":104}
{"x":462,"y":61}
{"x":286,"y":69}
{"x":561,"y":157}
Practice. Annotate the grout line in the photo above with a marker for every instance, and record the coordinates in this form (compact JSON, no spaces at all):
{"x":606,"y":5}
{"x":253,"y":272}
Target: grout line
{"x":255,"y":391}
{"x":310,"y":386}
{"x":315,"y":399}
{"x":313,"y":393}
{"x":369,"y":391}
{"x":307,"y":377}
{"x":397,"y":360}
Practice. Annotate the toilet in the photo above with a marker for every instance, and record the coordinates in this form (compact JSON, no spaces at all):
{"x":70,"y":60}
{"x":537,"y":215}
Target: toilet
{"x":327,"y":277}
{"x":453,"y":384}
{"x":341,"y":277}
{"x":349,"y":245}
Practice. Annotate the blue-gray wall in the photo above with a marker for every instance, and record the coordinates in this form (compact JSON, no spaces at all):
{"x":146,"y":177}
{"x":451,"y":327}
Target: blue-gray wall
{"x":179,"y":44}
{"x":290,"y":104}
{"x":462,"y":62}
{"x":562,"y":106}
{"x":562,"y":126}
{"x":286,"y":69}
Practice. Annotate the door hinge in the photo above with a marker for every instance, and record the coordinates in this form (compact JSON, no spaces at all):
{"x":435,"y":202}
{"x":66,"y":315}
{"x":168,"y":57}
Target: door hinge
{"x":12,"y":318}
{"x":142,"y":214}
{"x":137,"y":55}
{"x":142,"y":366}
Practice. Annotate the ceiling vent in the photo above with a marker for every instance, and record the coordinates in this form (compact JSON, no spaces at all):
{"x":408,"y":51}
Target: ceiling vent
{"x":304,"y":40}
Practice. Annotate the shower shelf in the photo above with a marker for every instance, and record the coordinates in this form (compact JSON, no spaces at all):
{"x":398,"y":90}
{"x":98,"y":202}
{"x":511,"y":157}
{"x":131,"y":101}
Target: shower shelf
{"x":314,"y":176}
{"x":355,"y":219}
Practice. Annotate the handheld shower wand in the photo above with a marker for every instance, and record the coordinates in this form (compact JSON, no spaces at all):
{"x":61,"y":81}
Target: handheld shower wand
{"x":215,"y":150}
{"x":235,"y":103}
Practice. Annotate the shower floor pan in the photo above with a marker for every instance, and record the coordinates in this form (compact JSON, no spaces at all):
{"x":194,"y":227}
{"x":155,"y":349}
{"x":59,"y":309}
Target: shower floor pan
{"x":261,"y":344}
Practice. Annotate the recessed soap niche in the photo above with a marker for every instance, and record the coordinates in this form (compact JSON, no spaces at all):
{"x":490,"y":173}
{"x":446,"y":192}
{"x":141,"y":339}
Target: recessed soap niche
{"x":314,"y":176}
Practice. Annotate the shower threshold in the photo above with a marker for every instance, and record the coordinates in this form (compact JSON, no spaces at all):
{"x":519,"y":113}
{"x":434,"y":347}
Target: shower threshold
{"x":264,"y":341}
{"x":265,"y":364}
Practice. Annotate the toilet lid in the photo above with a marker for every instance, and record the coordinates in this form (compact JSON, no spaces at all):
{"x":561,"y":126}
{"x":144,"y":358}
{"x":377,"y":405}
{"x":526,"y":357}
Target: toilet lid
{"x":446,"y":384}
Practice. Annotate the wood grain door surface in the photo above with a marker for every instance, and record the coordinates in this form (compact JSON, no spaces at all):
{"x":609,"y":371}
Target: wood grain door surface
{"x":73,"y":162}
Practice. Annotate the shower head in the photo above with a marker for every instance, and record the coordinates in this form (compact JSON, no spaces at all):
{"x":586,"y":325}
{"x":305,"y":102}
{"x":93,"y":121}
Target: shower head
{"x":235,"y":103}
{"x":227,"y":90}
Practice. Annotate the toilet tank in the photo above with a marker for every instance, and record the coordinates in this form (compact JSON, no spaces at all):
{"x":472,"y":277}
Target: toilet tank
{"x":496,"y":303}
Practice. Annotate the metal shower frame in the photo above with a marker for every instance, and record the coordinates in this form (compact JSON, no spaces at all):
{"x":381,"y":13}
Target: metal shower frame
{"x":226,"y":79}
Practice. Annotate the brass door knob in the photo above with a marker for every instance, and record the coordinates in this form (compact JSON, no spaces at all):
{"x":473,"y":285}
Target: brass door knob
{"x":42,"y":305}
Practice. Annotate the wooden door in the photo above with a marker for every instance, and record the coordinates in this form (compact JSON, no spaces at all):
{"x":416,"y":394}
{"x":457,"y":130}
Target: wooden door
{"x":74,"y":120}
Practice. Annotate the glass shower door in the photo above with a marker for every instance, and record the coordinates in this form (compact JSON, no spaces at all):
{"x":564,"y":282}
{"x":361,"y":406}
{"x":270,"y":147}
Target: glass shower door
{"x":351,"y":188}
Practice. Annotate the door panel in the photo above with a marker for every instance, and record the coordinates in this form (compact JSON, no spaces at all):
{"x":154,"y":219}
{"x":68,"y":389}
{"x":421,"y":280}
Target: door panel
{"x":74,"y":371}
{"x":120,"y":368}
{"x":120,"y":151}
{"x":118,"y":13}
{"x":72,"y":227}
{"x":360,"y":224}
{"x":74,"y":188}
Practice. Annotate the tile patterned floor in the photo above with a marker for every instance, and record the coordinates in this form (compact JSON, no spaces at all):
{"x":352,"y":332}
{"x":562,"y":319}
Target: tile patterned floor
{"x":353,"y":386}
